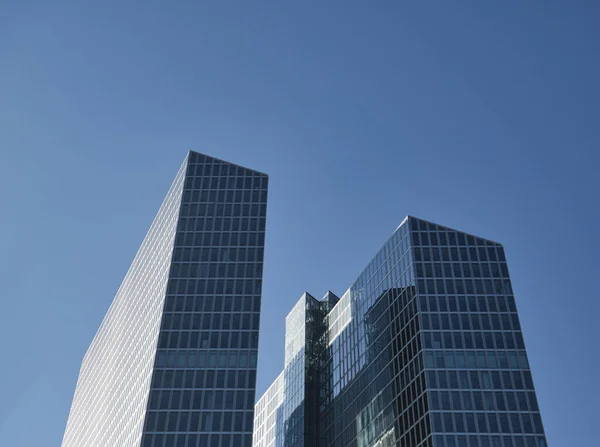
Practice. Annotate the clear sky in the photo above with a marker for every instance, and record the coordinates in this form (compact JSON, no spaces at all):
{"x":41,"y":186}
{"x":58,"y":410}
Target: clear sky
{"x":480,"y":117}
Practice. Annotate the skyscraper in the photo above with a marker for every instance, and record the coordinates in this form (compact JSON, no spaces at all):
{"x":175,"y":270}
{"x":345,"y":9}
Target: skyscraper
{"x":174,"y":360}
{"x":424,"y":349}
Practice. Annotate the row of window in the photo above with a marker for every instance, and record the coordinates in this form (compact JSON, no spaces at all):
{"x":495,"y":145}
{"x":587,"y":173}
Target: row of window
{"x":211,"y":253}
{"x":227,"y":197}
{"x":488,"y":441}
{"x":451,"y":244}
{"x":204,"y":378}
{"x":476,"y":359}
{"x":198,"y":421}
{"x":229,"y":182}
{"x":483,"y":401}
{"x":221,"y":234}
{"x":478,"y":380}
{"x":472,"y":340}
{"x":201,"y":400}
{"x":464,"y":286}
{"x":208,"y":303}
{"x":227,"y":213}
{"x":217,"y":238}
{"x":206,"y":359}
{"x":474,"y":322}
{"x":461,"y":270}
{"x":449,"y":236}
{"x":200,"y":164}
{"x":514,"y":423}
{"x":470,"y":303}
{"x":222,"y":254}
{"x":212,"y":340}
{"x":197,"y":440}
{"x":215,"y":286}
{"x":214,"y":270}
{"x":216,"y":222}
{"x":208,"y":321}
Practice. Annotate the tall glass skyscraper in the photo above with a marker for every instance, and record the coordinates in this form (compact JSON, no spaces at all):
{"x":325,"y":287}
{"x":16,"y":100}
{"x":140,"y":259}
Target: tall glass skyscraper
{"x":424,"y":349}
{"x":174,"y":360}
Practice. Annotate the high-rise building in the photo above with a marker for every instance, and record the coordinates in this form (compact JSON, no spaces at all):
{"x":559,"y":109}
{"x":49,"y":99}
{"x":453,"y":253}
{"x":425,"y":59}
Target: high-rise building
{"x":424,"y":349}
{"x":174,"y":360}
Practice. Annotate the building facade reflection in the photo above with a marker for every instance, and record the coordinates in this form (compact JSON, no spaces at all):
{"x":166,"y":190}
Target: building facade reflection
{"x":424,"y":349}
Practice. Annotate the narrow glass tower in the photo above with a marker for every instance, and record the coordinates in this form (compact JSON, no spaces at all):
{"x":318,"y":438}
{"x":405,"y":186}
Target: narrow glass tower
{"x":174,"y":360}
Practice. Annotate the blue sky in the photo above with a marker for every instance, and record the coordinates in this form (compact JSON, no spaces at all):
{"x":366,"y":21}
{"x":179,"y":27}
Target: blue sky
{"x":476,"y":116}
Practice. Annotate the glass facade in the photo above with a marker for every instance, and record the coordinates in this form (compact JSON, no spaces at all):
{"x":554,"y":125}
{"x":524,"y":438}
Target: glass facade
{"x":478,"y":378}
{"x":424,"y":349}
{"x":174,"y":360}
{"x":268,"y":416}
{"x":285,"y":416}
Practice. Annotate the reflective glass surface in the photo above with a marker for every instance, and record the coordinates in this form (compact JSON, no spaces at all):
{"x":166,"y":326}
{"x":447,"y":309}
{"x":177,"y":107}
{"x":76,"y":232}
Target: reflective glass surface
{"x":424,"y":349}
{"x":174,"y":361}
{"x":110,"y":400}
{"x":205,"y":371}
{"x":478,"y":378}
